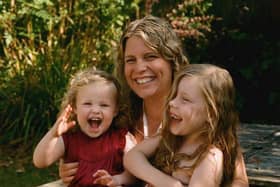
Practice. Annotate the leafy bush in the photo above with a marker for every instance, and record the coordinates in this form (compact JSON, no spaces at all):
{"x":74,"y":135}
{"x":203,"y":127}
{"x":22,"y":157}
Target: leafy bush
{"x":43,"y":43}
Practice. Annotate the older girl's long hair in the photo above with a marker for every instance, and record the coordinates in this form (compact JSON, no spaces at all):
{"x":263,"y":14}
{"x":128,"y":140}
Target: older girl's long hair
{"x":218,"y":90}
{"x":160,"y":37}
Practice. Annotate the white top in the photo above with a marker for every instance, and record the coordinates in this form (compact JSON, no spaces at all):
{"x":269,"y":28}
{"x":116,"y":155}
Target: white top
{"x":145,"y":127}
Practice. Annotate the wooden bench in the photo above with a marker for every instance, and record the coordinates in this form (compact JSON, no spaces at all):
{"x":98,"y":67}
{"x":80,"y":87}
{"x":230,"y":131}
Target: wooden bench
{"x":261,"y":149}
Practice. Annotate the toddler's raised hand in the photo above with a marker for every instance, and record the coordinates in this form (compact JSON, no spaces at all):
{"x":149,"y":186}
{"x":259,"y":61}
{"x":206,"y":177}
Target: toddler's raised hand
{"x":104,"y":178}
{"x":62,"y":124}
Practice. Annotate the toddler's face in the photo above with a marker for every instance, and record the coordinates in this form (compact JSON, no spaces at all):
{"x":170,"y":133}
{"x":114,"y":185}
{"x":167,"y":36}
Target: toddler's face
{"x":96,"y":107}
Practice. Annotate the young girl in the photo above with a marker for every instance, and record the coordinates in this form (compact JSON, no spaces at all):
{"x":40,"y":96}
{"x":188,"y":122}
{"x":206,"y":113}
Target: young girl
{"x":198,"y":145}
{"x":92,"y":101}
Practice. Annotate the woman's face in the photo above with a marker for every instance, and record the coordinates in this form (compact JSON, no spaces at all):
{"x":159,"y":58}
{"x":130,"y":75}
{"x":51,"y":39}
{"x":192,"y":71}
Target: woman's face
{"x":146,"y":72}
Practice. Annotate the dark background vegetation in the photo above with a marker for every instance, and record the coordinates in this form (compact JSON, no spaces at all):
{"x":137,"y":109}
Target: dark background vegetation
{"x":42,"y":42}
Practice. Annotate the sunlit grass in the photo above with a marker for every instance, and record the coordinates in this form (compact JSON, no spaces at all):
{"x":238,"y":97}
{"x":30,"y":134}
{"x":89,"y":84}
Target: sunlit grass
{"x":29,"y":178}
{"x":17,"y":169}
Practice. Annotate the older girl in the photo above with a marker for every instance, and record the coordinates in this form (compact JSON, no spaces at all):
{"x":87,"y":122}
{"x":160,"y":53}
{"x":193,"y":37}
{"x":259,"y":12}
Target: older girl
{"x":198,"y":145}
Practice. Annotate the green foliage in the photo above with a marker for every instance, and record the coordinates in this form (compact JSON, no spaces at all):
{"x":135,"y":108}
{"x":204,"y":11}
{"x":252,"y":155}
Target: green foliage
{"x":239,"y":35}
{"x":246,"y":42}
{"x":45,"y":41}
{"x":191,"y":19}
{"x":42,"y":44}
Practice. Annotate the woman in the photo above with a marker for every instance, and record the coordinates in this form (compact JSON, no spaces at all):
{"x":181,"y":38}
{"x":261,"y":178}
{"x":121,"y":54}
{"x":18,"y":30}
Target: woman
{"x":150,"y":54}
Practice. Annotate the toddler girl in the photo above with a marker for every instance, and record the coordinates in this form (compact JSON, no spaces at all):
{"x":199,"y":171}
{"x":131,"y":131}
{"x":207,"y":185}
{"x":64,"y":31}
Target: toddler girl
{"x":93,"y":101}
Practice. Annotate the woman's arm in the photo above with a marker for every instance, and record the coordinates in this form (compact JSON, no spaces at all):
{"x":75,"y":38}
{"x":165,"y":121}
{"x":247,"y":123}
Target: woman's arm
{"x":136,"y":162}
{"x":240,"y":177}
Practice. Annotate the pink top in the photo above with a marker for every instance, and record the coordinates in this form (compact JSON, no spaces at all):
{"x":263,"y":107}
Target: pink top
{"x":104,"y":152}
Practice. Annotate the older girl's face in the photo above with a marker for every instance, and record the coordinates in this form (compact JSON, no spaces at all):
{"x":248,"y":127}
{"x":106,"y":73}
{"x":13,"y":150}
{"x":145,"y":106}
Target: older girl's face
{"x":146,"y":72}
{"x":187,"y":110}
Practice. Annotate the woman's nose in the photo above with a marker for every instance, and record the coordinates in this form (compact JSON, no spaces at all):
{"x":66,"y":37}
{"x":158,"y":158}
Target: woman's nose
{"x":141,"y":65}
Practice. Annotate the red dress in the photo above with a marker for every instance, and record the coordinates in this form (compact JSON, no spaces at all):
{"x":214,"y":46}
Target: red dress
{"x":104,"y":152}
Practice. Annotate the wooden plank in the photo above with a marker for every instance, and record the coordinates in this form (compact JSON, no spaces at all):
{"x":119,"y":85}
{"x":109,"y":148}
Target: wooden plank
{"x":261,"y":148}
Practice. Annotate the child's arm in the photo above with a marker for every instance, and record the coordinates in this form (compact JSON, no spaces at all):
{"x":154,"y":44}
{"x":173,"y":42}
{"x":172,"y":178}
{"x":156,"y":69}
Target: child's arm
{"x":210,"y":171}
{"x":136,"y":161}
{"x":51,"y":147}
{"x":104,"y":178}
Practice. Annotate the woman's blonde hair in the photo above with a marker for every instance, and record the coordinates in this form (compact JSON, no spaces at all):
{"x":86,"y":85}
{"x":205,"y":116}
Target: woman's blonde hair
{"x":160,"y":37}
{"x":217,"y":87}
{"x":88,"y":76}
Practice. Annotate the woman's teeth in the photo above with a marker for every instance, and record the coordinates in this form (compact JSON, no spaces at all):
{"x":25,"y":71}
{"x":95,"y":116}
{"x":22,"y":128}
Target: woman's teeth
{"x":144,"y":80}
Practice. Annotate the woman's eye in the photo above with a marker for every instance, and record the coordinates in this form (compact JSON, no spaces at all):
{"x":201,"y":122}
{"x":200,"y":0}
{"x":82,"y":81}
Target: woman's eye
{"x":87,"y":103}
{"x":151,"y":57}
{"x":129,"y":61}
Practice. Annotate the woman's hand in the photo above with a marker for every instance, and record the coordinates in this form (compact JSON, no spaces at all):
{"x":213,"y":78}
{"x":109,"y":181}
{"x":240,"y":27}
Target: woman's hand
{"x":104,"y":178}
{"x":67,"y":171}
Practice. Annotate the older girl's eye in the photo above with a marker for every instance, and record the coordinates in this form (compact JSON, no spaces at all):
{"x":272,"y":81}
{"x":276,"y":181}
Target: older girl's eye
{"x":186,"y":99}
{"x":87,"y":103}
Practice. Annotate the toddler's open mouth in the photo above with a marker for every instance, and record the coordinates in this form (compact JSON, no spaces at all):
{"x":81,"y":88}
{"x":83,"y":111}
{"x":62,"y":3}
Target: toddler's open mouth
{"x":94,"y":122}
